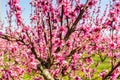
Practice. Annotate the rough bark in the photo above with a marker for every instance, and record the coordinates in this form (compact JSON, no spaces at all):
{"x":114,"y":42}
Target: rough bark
{"x":45,"y":73}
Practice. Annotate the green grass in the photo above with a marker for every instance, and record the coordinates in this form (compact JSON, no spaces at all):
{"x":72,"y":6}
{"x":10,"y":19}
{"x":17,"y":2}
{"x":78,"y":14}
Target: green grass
{"x":105,"y":65}
{"x":26,"y":77}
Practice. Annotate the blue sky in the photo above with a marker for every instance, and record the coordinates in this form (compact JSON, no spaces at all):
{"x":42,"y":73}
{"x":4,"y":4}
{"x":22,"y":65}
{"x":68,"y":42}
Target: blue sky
{"x":27,"y":9}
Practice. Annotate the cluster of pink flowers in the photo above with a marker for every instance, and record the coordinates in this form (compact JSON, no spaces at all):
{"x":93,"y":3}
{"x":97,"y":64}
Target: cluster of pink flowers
{"x":16,"y":9}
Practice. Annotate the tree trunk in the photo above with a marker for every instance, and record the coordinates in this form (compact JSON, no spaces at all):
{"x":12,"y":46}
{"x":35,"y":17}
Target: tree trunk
{"x":45,"y":73}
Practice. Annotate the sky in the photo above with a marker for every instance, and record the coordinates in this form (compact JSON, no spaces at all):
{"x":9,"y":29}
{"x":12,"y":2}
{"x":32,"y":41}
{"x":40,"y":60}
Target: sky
{"x":27,"y":9}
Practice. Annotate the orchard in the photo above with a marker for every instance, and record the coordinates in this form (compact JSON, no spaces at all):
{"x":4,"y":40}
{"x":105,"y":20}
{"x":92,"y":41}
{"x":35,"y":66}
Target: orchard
{"x":65,"y":40}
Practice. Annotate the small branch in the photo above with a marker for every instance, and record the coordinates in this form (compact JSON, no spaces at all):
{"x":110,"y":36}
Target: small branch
{"x":67,"y":22}
{"x":50,"y":59}
{"x":109,"y":74}
{"x":80,"y":14}
{"x":49,"y":23}
{"x":101,"y":57}
{"x":45,"y":37}
{"x":62,"y":13}
{"x":13,"y":39}
{"x":72,"y":52}
{"x":69,"y":32}
{"x":77,"y":49}
{"x":73,"y":27}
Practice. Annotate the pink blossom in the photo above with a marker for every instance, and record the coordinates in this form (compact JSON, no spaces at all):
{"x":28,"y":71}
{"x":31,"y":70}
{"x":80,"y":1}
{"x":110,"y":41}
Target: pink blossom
{"x":103,"y":73}
{"x":77,"y":78}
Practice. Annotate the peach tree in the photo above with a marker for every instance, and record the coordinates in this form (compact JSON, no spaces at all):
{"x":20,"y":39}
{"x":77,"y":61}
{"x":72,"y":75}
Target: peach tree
{"x":64,"y":39}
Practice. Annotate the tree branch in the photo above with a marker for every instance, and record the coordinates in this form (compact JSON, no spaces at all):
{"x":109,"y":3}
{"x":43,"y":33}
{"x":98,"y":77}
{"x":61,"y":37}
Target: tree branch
{"x":73,"y":27}
{"x":109,"y":74}
{"x":44,"y":72}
